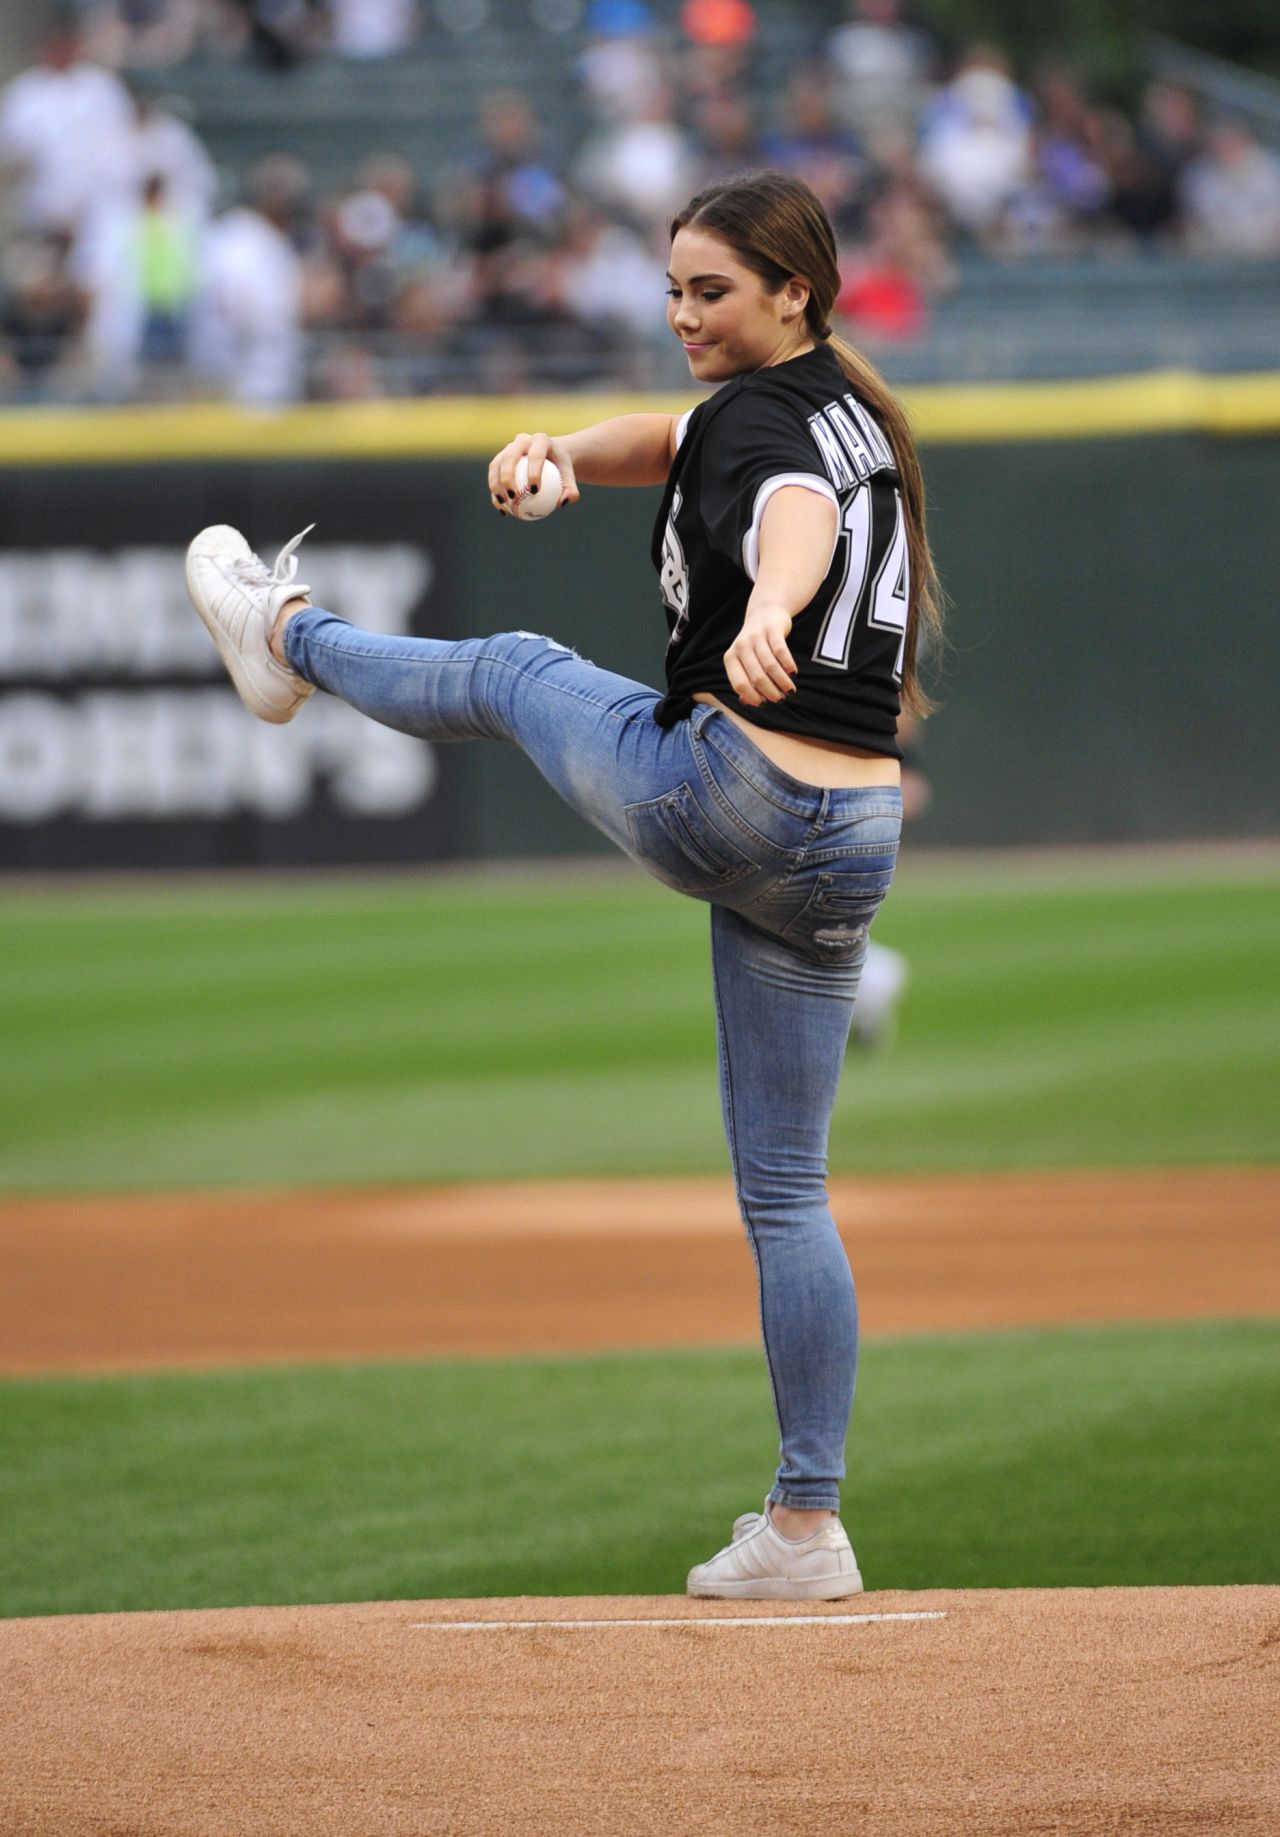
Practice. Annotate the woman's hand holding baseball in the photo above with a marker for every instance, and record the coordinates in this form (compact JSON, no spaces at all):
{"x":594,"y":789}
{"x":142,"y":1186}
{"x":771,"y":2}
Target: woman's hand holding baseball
{"x":759,"y":663}
{"x":503,"y":490}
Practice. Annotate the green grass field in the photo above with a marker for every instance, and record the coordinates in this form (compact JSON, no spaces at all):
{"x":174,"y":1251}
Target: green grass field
{"x":474,"y":1026}
{"x":1120,"y":1455}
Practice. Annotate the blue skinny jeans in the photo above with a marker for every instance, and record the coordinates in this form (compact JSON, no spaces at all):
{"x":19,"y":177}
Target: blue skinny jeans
{"x":793,"y":874}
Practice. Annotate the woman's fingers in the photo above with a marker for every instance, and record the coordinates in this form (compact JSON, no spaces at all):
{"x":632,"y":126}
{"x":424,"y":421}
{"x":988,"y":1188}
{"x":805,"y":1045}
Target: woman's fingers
{"x":760,"y":667}
{"x":535,"y":448}
{"x":502,"y":467}
{"x":535,"y":452}
{"x":569,"y":478}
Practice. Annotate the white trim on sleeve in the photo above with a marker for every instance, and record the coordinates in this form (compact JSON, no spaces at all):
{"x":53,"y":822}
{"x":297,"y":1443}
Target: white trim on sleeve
{"x":682,"y":425}
{"x":810,"y":481}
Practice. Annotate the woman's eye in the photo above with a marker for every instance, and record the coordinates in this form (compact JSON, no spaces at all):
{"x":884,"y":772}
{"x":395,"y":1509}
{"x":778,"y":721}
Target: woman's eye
{"x":713,"y":293}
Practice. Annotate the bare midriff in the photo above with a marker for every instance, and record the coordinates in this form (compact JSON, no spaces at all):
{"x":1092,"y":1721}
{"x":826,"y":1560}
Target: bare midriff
{"x":813,"y":762}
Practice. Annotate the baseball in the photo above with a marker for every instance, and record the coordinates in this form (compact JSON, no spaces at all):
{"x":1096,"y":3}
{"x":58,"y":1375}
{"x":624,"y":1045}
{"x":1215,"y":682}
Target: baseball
{"x":530,"y":505}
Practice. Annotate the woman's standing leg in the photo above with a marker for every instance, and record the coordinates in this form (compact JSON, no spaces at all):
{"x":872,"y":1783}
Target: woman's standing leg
{"x":783,"y":1025}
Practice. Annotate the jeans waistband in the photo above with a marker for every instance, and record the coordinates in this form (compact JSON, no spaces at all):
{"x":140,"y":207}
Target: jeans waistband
{"x":803,"y":800}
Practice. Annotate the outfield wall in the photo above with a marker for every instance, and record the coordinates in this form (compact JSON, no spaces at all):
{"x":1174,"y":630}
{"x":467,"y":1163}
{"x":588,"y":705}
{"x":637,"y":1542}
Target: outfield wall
{"x":1111,"y":550}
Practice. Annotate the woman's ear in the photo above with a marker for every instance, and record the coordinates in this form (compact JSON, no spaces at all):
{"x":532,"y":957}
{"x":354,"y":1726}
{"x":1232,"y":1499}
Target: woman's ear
{"x":795,"y":297}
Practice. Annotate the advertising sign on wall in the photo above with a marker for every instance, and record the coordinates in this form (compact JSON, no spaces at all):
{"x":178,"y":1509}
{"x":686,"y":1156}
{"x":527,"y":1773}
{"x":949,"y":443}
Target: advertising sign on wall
{"x":122,"y":743}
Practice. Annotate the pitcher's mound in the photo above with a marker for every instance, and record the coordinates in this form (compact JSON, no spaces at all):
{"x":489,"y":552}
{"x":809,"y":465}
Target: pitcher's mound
{"x":998,"y":1712}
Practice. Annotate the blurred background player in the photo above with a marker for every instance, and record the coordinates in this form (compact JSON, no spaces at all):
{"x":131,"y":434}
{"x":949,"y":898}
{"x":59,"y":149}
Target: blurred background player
{"x":885,"y":971}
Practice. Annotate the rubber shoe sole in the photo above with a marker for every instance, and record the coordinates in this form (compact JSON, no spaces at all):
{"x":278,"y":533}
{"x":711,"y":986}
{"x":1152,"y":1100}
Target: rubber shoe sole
{"x":761,"y":1565}
{"x":779,"y":1588}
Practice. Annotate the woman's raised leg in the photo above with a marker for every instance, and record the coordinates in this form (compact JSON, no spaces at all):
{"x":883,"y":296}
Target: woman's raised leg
{"x":590,"y":732}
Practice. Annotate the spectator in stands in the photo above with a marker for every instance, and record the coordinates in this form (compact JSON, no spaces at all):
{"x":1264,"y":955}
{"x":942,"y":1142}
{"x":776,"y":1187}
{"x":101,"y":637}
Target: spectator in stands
{"x":715,"y":57}
{"x":363,"y":230}
{"x":378,"y":247}
{"x":1145,"y":160}
{"x":809,"y":141}
{"x":419,"y":250}
{"x":642,"y":168}
{"x":1231,"y":194}
{"x":162,"y":143}
{"x":372,"y":28}
{"x":139,"y":266}
{"x":976,"y":148}
{"x":283,"y":33}
{"x":879,"y":297}
{"x":141,"y":34}
{"x":514,"y":183}
{"x":65,"y":126}
{"x":609,"y":276}
{"x":883,"y":63}
{"x":247,"y":337}
{"x":1068,"y":140}
{"x":42,"y":312}
{"x":621,"y":66}
{"x":517,"y":332}
{"x":889,"y":275}
{"x":725,"y":142}
{"x":1170,"y":126}
{"x":1141,"y":199}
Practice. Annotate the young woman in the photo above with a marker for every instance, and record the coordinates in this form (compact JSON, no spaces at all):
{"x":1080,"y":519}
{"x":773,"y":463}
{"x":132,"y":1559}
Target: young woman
{"x":791,"y":551}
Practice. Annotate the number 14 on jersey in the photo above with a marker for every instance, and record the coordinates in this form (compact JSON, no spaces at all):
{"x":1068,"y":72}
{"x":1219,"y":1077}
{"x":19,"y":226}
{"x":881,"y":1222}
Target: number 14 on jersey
{"x":876,"y":576}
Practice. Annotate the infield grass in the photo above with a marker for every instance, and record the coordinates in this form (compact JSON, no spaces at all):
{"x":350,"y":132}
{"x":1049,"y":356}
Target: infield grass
{"x":475,"y":1026}
{"x":1080,"y":1456}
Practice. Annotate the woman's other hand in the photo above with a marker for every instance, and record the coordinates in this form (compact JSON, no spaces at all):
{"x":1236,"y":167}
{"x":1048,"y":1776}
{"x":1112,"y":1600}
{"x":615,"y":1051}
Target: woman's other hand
{"x":535,"y":448}
{"x":759,"y":663}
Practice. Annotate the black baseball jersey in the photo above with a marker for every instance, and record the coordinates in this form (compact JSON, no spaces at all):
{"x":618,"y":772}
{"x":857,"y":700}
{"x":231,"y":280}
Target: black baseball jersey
{"x":797,"y":422}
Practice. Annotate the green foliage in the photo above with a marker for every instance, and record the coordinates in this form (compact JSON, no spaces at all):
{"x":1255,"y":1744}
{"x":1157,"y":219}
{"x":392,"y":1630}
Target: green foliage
{"x":484,"y":1027}
{"x":1082,"y":1457}
{"x":1104,"y":38}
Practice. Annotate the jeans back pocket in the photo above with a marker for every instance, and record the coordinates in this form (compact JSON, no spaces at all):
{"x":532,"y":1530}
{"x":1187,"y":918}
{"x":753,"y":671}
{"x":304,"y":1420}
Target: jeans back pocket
{"x":832,"y":925}
{"x":675,"y":839}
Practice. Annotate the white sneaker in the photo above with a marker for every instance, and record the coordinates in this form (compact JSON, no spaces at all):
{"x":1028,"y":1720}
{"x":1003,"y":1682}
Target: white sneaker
{"x":763,"y":1565}
{"x":238,"y":598}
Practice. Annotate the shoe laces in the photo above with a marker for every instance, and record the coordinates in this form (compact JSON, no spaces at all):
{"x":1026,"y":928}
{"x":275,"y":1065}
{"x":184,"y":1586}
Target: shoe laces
{"x":252,"y":571}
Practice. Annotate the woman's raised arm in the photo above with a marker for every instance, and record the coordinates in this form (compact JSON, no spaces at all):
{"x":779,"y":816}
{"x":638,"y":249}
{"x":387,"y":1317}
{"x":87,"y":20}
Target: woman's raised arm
{"x":626,"y":450}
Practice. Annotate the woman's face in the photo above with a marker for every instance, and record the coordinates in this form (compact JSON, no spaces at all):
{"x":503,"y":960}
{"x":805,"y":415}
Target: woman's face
{"x":722,"y":314}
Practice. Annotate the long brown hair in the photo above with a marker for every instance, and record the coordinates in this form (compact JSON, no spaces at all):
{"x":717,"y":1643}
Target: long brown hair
{"x":776,"y":227}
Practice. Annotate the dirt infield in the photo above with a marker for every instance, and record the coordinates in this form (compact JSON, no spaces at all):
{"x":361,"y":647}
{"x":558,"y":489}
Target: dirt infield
{"x":996,"y":1714}
{"x":1077,"y":1712}
{"x":199,"y":1279}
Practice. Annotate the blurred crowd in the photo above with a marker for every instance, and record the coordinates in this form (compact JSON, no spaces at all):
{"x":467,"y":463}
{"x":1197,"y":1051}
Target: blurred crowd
{"x":127,"y":272}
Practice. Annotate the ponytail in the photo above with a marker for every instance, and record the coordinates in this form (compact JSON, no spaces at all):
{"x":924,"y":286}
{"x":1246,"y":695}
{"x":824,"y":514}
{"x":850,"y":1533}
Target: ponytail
{"x":924,"y":610}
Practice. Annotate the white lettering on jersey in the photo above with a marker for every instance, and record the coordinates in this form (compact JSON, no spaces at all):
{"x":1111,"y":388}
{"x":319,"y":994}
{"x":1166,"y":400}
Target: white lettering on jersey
{"x":851,"y":444}
{"x":674,"y":576}
{"x":886,"y":601}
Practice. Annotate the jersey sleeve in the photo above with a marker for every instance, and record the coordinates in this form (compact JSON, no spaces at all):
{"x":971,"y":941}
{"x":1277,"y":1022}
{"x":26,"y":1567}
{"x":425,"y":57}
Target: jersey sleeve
{"x":756,"y":444}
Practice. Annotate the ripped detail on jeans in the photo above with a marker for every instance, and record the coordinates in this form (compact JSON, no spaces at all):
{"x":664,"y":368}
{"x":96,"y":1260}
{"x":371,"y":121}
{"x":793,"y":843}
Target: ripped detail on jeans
{"x":834,"y":921}
{"x":838,"y":938}
{"x":554,"y":644}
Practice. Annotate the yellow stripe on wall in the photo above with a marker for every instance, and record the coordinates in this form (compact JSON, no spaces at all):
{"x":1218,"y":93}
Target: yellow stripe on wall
{"x":1162,"y":402}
